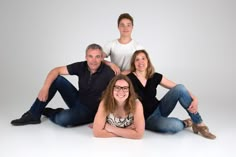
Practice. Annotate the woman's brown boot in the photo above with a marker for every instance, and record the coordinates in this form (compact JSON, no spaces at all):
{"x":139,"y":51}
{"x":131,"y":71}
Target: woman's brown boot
{"x":187,"y":123}
{"x":204,"y":131}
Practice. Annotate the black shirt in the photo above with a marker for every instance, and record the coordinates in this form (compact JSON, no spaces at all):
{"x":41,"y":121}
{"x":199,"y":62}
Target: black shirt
{"x":147,"y":94}
{"x":91,"y":86}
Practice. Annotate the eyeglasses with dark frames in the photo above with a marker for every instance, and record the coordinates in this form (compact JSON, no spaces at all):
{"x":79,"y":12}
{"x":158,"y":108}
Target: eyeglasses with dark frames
{"x":124,"y":88}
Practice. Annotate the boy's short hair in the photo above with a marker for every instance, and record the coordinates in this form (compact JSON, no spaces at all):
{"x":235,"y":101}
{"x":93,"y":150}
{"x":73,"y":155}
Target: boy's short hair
{"x":125,"y":16}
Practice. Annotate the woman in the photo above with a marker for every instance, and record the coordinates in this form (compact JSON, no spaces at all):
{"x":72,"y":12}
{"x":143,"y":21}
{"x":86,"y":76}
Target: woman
{"x":120,"y":113}
{"x":145,"y":81}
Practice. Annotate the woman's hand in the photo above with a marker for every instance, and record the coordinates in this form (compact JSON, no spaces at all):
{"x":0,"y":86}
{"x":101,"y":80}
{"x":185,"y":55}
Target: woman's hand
{"x":193,"y":108}
{"x":109,"y":127}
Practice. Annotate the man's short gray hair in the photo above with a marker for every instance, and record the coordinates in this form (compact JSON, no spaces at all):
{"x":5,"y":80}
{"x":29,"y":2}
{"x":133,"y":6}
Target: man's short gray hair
{"x":94,"y":47}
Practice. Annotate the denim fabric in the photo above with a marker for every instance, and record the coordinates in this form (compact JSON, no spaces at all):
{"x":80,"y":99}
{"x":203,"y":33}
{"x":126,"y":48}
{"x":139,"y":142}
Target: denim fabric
{"x":77,"y":113}
{"x":160,"y":122}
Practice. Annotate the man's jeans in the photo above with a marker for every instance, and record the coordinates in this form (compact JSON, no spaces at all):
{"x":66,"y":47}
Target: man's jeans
{"x":77,"y":114}
{"x":160,"y":122}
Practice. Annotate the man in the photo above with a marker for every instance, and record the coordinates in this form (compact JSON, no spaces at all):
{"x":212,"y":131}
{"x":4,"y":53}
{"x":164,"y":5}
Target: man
{"x":93,"y":76}
{"x":121,"y":50}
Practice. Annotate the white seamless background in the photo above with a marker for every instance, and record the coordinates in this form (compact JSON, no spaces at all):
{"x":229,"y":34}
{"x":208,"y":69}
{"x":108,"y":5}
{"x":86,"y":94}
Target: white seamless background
{"x":191,"y":42}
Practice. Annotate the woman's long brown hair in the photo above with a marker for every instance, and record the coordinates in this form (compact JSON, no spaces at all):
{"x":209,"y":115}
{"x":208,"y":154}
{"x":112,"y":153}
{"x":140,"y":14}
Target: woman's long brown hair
{"x":150,"y":68}
{"x":109,"y":100}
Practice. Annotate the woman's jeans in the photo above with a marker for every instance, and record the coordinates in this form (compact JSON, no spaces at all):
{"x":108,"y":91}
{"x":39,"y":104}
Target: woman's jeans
{"x":77,"y":114}
{"x":159,"y":121}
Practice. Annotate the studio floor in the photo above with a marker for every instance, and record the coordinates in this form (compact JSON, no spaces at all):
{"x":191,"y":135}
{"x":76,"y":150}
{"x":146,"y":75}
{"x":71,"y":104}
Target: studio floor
{"x":49,"y":140}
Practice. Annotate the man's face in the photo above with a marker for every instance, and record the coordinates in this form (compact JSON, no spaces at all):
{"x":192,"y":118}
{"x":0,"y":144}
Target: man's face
{"x":125,"y":27}
{"x":94,"y":59}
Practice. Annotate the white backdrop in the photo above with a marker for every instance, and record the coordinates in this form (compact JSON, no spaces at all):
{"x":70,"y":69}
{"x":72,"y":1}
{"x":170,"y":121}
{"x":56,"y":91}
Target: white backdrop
{"x":189,"y":41}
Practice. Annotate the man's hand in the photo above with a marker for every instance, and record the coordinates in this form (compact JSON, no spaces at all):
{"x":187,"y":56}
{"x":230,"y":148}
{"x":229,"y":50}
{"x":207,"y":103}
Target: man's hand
{"x":43,"y":94}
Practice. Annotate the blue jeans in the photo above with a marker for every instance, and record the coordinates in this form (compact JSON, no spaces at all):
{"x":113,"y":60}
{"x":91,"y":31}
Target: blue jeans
{"x":77,"y":114}
{"x":159,"y":121}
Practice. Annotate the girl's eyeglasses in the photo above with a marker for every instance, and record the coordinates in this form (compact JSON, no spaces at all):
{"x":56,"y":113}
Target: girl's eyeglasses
{"x":118,"y":88}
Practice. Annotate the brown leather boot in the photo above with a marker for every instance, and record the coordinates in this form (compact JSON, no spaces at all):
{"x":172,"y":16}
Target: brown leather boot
{"x":204,"y":131}
{"x":187,"y":123}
